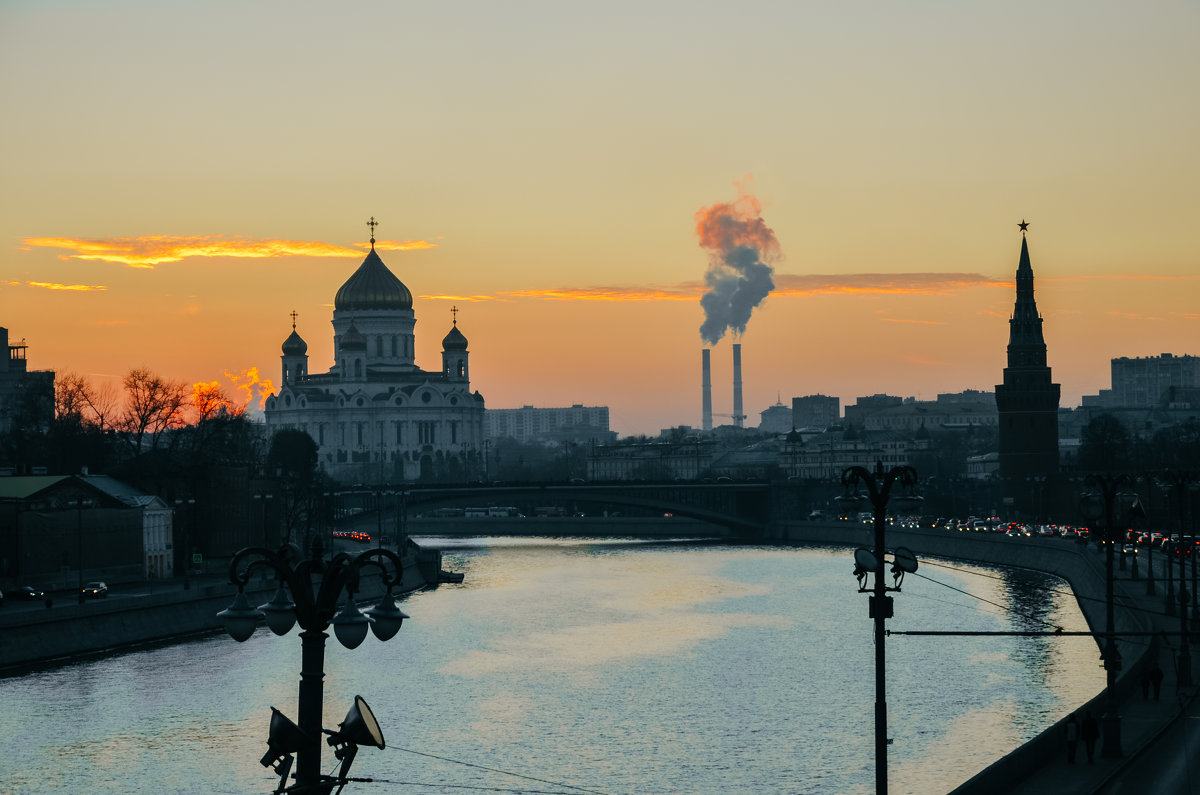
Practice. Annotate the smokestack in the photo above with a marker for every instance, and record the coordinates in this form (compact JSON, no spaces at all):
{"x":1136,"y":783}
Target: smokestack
{"x":738,"y":418}
{"x":705,"y":390}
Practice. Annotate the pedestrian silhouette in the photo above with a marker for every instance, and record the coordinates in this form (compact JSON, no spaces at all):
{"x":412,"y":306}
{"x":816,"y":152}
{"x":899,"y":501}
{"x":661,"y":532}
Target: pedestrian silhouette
{"x":1156,"y":677}
{"x":1091,"y":733}
{"x":1072,"y":729}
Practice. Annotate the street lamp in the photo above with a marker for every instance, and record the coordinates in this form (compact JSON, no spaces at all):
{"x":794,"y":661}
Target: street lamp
{"x":80,"y":504}
{"x":1093,"y":506}
{"x":315,"y":608}
{"x":264,"y":496}
{"x":1181,"y":481}
{"x":879,"y":487}
{"x":187,"y":549}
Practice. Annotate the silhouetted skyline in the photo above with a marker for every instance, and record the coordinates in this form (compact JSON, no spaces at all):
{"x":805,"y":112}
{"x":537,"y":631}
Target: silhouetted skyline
{"x":179,"y":180}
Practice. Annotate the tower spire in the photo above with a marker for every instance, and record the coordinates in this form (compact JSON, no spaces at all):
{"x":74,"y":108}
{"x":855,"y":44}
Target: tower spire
{"x":1027,"y":401}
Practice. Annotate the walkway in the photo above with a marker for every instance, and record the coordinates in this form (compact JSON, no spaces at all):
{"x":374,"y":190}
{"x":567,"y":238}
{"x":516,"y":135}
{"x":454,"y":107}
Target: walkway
{"x":1160,"y":739}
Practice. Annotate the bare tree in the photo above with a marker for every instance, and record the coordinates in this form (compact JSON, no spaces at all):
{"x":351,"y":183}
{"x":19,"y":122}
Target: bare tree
{"x":210,"y":401}
{"x":69,"y":400}
{"x":152,"y":405}
{"x":79,"y":400}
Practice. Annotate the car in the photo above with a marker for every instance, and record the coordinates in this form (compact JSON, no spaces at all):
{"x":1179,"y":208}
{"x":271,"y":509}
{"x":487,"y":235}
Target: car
{"x":28,"y":593}
{"x":95,"y":590}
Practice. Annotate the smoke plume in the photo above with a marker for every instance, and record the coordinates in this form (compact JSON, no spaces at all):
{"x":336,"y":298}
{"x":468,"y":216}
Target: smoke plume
{"x":738,"y":278}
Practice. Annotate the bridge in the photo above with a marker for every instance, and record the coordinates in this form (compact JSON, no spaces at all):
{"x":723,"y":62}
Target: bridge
{"x":740,"y":508}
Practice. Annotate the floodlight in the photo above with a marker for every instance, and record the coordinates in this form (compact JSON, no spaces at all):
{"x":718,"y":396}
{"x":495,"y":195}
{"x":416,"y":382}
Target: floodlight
{"x":360,"y":726}
{"x":904,"y":559}
{"x":284,"y":738}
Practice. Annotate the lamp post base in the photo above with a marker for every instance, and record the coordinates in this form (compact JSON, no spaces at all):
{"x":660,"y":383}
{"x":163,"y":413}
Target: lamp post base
{"x":1111,"y":728}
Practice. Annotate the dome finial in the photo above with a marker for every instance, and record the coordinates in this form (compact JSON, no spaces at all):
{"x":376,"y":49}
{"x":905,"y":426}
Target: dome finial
{"x":293,"y":320}
{"x":454,"y":316}
{"x":372,"y":223}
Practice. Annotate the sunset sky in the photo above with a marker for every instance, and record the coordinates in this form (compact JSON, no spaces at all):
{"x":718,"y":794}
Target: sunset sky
{"x":177,"y":177}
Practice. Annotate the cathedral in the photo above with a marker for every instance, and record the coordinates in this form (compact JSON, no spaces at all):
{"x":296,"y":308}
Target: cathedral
{"x":375,"y":416}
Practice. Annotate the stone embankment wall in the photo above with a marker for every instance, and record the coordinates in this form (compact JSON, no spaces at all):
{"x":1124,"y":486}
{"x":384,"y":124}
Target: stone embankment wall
{"x":1080,"y":565}
{"x":568,"y":526}
{"x":129,"y":619}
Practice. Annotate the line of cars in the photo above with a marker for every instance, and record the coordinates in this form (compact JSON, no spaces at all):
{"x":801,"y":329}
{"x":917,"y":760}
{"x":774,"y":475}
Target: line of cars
{"x":28,"y":593}
{"x":353,"y":535}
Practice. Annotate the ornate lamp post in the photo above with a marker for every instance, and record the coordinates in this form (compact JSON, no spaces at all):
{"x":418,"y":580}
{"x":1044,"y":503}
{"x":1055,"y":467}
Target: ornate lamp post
{"x":879,"y":487}
{"x":315,"y":587}
{"x":1094,"y":506}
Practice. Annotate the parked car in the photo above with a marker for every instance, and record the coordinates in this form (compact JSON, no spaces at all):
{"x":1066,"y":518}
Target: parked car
{"x":95,"y":590}
{"x":28,"y":593}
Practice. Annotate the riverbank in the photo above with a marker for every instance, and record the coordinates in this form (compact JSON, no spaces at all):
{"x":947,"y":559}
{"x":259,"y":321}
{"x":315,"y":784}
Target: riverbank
{"x":1040,"y":765}
{"x":142,"y":613}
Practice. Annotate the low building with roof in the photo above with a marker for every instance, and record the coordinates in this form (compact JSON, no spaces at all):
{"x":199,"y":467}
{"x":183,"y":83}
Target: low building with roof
{"x":60,"y":530}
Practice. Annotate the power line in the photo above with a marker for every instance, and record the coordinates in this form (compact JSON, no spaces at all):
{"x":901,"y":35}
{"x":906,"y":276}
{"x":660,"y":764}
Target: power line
{"x":465,"y":786}
{"x":497,"y":770}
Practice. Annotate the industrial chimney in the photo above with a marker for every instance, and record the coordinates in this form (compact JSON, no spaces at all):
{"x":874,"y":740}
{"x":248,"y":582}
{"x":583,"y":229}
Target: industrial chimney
{"x":705,"y":390}
{"x":738,"y":417}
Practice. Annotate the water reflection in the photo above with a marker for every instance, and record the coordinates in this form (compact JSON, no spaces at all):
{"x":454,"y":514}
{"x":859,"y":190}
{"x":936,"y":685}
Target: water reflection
{"x":618,"y":667}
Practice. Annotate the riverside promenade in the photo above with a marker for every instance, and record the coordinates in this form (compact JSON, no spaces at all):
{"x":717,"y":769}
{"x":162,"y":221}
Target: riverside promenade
{"x":155,"y":611}
{"x":1160,"y":739}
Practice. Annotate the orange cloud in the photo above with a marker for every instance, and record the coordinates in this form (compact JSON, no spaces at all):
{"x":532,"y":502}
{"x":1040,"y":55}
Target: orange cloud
{"x":882,"y":283}
{"x":680,"y":293}
{"x":81,"y":288}
{"x":459,"y":297}
{"x":399,"y":245}
{"x":785,"y":285}
{"x":150,"y":250}
{"x":906,"y":320}
{"x":251,"y":386}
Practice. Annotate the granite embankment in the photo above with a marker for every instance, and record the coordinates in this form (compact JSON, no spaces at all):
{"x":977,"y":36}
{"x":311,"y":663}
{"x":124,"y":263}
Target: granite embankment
{"x":1038,"y":765}
{"x":567,"y":527}
{"x":138,"y":614}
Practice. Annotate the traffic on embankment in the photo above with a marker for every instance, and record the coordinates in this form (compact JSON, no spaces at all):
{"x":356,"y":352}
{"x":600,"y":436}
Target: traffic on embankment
{"x":1146,"y":635}
{"x":145,"y":612}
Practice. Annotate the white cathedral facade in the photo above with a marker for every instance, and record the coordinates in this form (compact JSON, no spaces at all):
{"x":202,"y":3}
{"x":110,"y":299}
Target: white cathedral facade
{"x":376,"y":417}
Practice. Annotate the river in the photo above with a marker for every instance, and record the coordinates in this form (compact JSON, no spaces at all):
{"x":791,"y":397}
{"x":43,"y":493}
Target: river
{"x":598,"y":666}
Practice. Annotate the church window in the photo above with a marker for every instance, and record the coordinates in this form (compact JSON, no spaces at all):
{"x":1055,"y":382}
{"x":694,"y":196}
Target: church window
{"x":358,"y":368}
{"x":392,"y":345}
{"x":358,"y":402}
{"x":321,"y":433}
{"x":399,"y":433}
{"x":379,"y":346}
{"x":454,"y":432}
{"x":358,"y":428}
{"x":426,"y":397}
{"x":462,"y":368}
